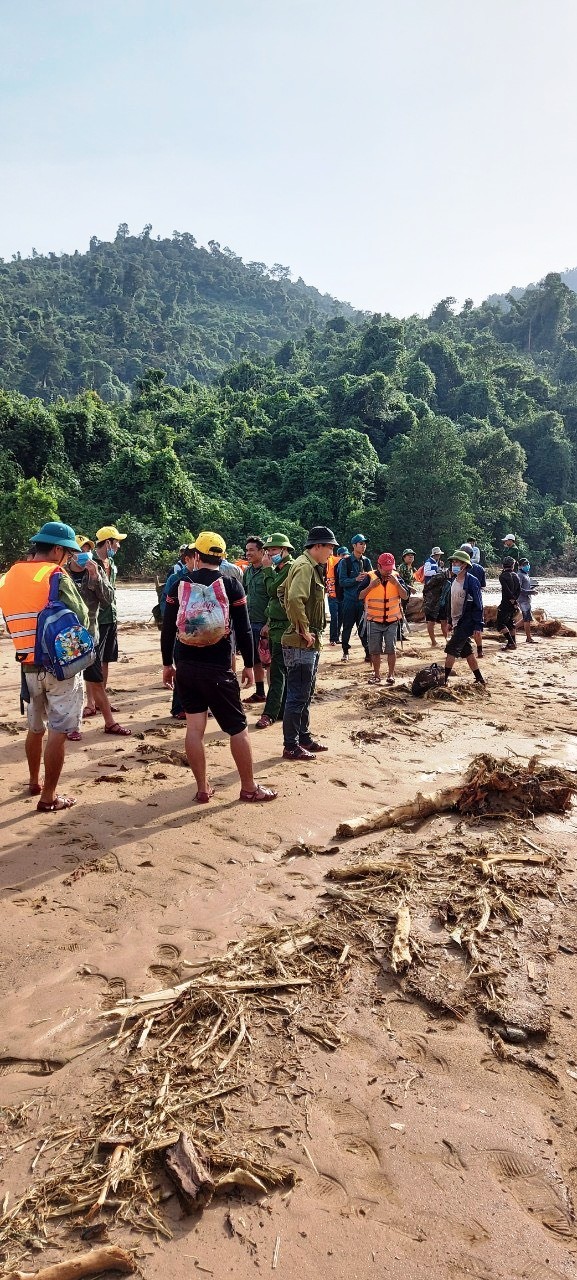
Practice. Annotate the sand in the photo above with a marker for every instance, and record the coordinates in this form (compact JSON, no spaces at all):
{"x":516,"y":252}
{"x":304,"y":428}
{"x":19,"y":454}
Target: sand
{"x":418,"y":1152}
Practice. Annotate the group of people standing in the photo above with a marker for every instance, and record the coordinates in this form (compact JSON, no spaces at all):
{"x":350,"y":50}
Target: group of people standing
{"x":269,"y":608}
{"x":85,"y":578}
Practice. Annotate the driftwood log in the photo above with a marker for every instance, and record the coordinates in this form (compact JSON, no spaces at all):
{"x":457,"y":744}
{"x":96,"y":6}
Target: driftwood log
{"x":93,"y":1263}
{"x":194,"y":1185}
{"x":423,"y":806}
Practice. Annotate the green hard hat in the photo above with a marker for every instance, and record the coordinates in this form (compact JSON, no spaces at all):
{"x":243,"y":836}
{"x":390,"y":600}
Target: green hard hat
{"x":55,"y":534}
{"x":278,"y":540}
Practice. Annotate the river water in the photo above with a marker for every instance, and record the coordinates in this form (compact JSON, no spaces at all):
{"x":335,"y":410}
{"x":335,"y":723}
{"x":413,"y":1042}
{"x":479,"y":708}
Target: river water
{"x":558,"y":596}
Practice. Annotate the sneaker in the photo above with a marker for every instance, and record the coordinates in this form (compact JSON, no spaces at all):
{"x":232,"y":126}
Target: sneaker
{"x":509,"y":648}
{"x":345,"y":657}
{"x":313,"y":746}
{"x":297,"y":753}
{"x":255,"y":697}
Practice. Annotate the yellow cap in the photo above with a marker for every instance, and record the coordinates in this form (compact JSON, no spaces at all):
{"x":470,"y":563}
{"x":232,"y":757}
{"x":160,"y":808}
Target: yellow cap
{"x":210,"y":544}
{"x":82,"y":539}
{"x":109,"y":531}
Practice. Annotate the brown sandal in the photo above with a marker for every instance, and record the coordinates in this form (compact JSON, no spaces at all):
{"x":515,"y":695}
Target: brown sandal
{"x":264,"y":722}
{"x":203,"y":797}
{"x":259,"y":793}
{"x":58,"y":803}
{"x":119,"y":730}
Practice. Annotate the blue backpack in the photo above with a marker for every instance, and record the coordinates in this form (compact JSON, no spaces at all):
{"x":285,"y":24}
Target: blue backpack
{"x":63,"y":645}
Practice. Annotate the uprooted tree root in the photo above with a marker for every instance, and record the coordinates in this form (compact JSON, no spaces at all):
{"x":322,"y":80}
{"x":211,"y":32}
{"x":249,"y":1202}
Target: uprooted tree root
{"x":491,"y":788}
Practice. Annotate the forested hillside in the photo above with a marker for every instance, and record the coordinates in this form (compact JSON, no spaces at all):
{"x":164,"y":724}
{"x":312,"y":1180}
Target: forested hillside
{"x":98,"y":320}
{"x":416,"y":431}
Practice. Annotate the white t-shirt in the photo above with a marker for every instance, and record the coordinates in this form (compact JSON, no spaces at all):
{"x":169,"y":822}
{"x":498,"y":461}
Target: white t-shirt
{"x":457,"y":600}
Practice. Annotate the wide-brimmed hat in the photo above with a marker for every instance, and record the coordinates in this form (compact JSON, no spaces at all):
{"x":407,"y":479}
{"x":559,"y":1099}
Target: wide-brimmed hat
{"x":462,"y":556}
{"x":56,"y":534}
{"x":210,"y":544}
{"x":109,"y":531}
{"x":437,"y":551}
{"x":408,"y":552}
{"x":322,"y":534}
{"x":278,"y":540}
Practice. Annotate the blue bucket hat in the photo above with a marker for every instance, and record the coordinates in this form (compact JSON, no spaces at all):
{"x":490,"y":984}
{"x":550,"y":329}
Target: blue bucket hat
{"x":55,"y":534}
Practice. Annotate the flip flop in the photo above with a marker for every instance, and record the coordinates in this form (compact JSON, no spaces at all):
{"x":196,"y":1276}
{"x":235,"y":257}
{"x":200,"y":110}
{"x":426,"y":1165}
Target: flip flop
{"x":118,"y":730}
{"x":58,"y":803}
{"x":75,"y":736}
{"x":259,"y":793}
{"x":264,"y":723}
{"x":34,"y":789}
{"x":203,"y":797}
{"x":89,"y":712}
{"x":375,"y":680}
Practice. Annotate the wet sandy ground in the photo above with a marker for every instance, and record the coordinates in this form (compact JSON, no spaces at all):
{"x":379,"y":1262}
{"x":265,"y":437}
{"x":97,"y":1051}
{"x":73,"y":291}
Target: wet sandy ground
{"x":477,"y":1174}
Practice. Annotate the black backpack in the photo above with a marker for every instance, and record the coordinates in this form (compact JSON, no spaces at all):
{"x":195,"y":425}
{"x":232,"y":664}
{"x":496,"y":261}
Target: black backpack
{"x":428,"y":678}
{"x":339,"y":593}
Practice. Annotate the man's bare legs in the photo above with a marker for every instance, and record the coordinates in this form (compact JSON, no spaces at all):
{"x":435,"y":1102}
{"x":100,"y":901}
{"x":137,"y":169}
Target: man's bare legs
{"x":34,"y":757}
{"x":194,"y":747}
{"x":242,"y":756}
{"x":53,"y":765}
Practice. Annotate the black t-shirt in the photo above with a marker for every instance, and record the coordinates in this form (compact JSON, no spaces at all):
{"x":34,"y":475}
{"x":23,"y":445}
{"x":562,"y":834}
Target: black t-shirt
{"x":219,"y":654}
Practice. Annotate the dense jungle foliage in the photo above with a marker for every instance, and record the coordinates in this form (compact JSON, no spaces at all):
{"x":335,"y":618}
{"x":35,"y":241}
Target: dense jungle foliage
{"x":415,"y":431}
{"x":98,"y":320}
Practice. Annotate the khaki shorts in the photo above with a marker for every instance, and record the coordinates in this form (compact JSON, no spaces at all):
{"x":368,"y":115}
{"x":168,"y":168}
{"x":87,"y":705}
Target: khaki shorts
{"x":56,"y":703}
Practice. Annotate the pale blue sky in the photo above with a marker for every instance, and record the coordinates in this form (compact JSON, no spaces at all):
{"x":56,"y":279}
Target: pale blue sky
{"x":392,"y":152}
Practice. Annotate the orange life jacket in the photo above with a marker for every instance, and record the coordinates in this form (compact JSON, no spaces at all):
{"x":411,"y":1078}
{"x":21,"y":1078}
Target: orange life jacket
{"x":23,"y":593}
{"x":332,"y":563}
{"x":383,"y":601}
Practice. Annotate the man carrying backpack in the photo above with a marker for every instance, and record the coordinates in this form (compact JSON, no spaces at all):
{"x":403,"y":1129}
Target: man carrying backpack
{"x":351,"y":568}
{"x":200,"y":613}
{"x":24,"y":593}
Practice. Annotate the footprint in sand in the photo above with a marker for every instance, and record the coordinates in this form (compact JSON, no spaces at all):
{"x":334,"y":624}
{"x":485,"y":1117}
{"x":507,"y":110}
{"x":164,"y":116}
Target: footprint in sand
{"x":534,"y":1192}
{"x":168,"y":952}
{"x":331,"y":1193}
{"x":115,"y":991}
{"x":200,"y":935}
{"x":164,"y":974}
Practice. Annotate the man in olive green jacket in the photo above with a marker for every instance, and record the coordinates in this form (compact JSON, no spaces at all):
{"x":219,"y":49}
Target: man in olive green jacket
{"x":277,"y":560}
{"x":303,"y":597}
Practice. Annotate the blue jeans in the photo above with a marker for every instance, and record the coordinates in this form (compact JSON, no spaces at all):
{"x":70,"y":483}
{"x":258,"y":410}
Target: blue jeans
{"x":336,"y":612}
{"x":301,"y":673}
{"x":353,"y":612}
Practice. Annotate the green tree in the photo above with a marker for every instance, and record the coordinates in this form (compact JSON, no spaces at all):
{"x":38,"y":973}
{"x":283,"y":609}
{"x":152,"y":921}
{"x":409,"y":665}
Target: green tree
{"x":429,"y":488}
{"x":24,"y":511}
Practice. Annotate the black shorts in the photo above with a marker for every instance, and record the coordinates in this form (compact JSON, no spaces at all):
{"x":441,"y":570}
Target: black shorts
{"x":459,"y":646}
{"x":203,"y":687}
{"x":93,"y":674}
{"x":108,"y":642}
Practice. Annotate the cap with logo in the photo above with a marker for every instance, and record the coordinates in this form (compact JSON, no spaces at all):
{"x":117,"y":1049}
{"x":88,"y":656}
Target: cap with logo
{"x":56,"y":534}
{"x":210,"y":544}
{"x":83,"y":540}
{"x":278,"y":540}
{"x":386,"y":562}
{"x":320,"y":533}
{"x":359,"y":537}
{"x":109,"y":531}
